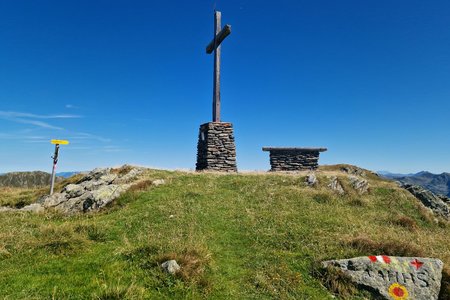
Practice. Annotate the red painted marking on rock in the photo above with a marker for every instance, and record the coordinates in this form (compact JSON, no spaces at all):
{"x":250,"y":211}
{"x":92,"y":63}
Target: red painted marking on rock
{"x":386,"y":259}
{"x":380,"y":258}
{"x":416,"y":263}
{"x":398,"y":292}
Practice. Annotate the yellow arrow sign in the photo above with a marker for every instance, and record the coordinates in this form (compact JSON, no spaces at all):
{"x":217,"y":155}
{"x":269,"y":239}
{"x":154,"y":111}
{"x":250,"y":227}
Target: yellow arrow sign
{"x":59,"y":142}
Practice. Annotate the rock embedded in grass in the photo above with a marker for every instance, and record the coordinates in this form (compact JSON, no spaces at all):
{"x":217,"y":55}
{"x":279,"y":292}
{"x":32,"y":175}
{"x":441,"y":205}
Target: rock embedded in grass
{"x":311,"y":179}
{"x":391,"y":277}
{"x":359,"y":184}
{"x":158,"y":182}
{"x":353,"y":170}
{"x":170,"y":266}
{"x":336,"y":186}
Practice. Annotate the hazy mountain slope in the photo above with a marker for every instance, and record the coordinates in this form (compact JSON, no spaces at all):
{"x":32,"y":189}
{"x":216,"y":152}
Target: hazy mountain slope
{"x":437,"y":183}
{"x":26,"y":179}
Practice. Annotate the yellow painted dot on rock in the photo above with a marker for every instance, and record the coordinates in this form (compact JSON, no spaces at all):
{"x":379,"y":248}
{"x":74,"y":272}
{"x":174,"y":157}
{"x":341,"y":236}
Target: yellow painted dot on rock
{"x":398,"y":292}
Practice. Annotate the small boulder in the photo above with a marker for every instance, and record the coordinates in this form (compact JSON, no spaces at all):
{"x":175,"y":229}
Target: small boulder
{"x":390,"y":277}
{"x":311,"y":179}
{"x":35,"y":207}
{"x":158,"y":182}
{"x":170,"y":266}
{"x":359,"y":184}
{"x":336,"y":186}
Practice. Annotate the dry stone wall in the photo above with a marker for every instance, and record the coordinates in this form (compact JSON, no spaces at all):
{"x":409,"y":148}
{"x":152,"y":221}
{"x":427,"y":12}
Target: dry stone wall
{"x":216,"y":150}
{"x":294,"y":159}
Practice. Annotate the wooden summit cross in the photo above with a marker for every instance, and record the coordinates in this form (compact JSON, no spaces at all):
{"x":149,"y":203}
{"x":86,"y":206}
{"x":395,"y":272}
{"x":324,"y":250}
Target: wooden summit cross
{"x":214,"y":45}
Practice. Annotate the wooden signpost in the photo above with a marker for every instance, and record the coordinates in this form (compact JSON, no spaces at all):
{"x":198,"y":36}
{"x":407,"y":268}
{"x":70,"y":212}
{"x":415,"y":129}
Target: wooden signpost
{"x":55,"y":160}
{"x":214,"y":45}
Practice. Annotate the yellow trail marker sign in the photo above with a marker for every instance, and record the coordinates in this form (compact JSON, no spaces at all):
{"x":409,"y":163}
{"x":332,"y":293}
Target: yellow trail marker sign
{"x":59,"y":142}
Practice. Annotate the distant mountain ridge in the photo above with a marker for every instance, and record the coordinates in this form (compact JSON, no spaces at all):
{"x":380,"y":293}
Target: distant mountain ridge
{"x":437,"y":183}
{"x":26,"y":179}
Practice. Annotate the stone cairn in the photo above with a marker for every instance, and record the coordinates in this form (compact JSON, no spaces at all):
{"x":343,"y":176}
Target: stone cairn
{"x":293,"y":159}
{"x":216,"y":150}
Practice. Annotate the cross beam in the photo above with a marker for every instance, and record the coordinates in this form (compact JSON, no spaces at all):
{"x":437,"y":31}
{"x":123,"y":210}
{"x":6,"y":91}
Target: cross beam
{"x":226,"y":30}
{"x":214,"y":45}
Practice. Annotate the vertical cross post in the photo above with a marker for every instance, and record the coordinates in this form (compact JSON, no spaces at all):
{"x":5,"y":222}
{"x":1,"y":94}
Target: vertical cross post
{"x":216,"y":83}
{"x":214,"y":46}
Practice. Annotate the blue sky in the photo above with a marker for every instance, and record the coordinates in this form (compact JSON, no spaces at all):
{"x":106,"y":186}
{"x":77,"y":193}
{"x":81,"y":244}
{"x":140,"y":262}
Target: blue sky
{"x":130,"y":82}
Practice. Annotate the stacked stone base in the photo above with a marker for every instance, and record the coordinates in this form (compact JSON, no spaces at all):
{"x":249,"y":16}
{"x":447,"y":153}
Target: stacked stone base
{"x":216,"y":150}
{"x":294,"y":159}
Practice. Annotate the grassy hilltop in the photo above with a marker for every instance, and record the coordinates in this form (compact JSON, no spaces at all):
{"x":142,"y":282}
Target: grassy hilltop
{"x":236,"y":236}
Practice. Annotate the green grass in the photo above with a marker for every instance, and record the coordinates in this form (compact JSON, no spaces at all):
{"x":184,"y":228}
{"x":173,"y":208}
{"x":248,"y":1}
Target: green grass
{"x":253,"y":236}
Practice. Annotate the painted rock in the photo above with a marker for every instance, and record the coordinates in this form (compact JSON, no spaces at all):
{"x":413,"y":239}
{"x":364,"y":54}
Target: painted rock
{"x":394,"y":278}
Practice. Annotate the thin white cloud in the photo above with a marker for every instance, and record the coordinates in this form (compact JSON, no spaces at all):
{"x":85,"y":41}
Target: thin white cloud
{"x":70,"y":106}
{"x":16,"y":114}
{"x":24,"y":138}
{"x":88,"y":136}
{"x":34,"y":119}
{"x":37,"y":123}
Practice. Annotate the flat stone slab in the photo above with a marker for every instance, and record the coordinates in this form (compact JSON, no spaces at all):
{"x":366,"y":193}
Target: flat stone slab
{"x":391,"y":277}
{"x":295,"y":149}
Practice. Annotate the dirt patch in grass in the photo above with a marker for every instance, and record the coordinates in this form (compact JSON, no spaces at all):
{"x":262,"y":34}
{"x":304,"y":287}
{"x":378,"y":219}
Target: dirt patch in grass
{"x":392,"y":248}
{"x":92,"y":232}
{"x":323,"y":198}
{"x":406,"y":222}
{"x":358,"y":201}
{"x":193,"y":264}
{"x":141,"y":185}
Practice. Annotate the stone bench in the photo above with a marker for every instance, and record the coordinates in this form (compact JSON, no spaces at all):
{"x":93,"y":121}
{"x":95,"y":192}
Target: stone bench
{"x":293,"y":158}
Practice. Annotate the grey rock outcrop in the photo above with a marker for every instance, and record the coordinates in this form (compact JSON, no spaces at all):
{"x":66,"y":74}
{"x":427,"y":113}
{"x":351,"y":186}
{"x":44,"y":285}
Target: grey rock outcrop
{"x":430,"y":200}
{"x":336,"y":186}
{"x":389,"y":277}
{"x":445,"y":199}
{"x":92,"y":192}
{"x":311,"y":179}
{"x":352,"y":170}
{"x":170,"y":266}
{"x":26,"y":179}
{"x":359,"y":184}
